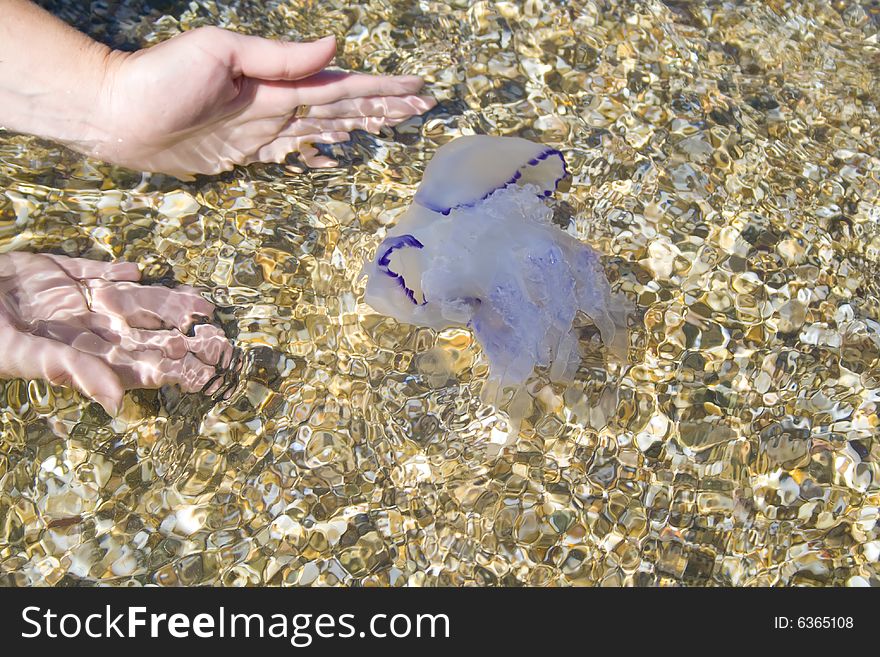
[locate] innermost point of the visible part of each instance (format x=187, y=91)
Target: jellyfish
x=478, y=249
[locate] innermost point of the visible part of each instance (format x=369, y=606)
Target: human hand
x=90, y=325
x=210, y=99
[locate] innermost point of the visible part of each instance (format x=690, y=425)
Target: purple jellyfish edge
x=392, y=245
x=404, y=241
x=535, y=161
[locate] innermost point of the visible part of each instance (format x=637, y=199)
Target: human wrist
x=97, y=132
x=59, y=92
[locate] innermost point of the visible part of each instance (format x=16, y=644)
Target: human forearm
x=52, y=77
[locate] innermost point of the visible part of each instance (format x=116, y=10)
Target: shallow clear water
x=724, y=160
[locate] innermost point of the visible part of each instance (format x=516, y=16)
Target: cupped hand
x=210, y=99
x=90, y=325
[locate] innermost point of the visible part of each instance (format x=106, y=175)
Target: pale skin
x=200, y=103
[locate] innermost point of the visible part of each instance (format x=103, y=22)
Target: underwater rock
x=478, y=248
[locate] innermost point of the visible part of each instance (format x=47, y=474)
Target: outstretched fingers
x=208, y=342
x=151, y=307
x=390, y=107
x=115, y=331
x=82, y=268
x=310, y=155
x=190, y=373
x=278, y=149
x=332, y=86
x=149, y=368
x=306, y=127
x=273, y=97
x=210, y=345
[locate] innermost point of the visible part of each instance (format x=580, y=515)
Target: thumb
x=32, y=357
x=267, y=59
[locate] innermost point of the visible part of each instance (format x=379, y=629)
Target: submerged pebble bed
x=724, y=160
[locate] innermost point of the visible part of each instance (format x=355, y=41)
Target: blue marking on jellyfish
x=535, y=161
x=393, y=244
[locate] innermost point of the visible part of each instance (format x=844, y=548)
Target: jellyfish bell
x=463, y=173
x=468, y=170
x=478, y=249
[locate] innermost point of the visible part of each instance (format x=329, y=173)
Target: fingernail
x=329, y=37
